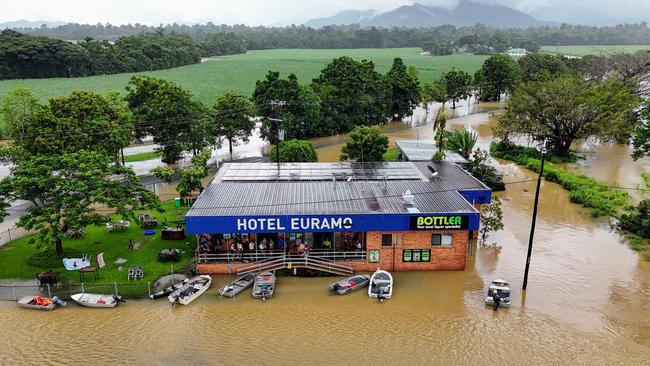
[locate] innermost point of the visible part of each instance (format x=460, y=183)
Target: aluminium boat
x=502, y=289
x=235, y=287
x=264, y=285
x=97, y=300
x=190, y=290
x=347, y=285
x=40, y=303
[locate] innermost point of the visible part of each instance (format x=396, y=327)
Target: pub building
x=336, y=217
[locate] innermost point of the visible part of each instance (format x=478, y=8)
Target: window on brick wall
x=416, y=255
x=386, y=240
x=441, y=240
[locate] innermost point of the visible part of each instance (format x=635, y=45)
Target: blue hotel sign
x=330, y=223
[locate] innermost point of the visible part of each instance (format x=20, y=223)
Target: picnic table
x=122, y=224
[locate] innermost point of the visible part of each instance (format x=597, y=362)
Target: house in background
x=516, y=52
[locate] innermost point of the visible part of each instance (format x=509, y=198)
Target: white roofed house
x=516, y=52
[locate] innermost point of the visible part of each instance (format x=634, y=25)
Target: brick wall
x=390, y=258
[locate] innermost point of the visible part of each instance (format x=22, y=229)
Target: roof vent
x=408, y=200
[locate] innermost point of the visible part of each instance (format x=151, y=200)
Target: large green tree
x=569, y=108
x=352, y=93
x=18, y=110
x=232, y=118
x=66, y=189
x=405, y=90
x=542, y=66
x=642, y=133
x=299, y=151
x=82, y=120
x=365, y=143
x=458, y=85
x=166, y=111
x=498, y=75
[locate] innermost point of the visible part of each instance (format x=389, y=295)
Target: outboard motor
x=118, y=298
x=58, y=301
x=496, y=299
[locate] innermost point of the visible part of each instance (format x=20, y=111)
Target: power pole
x=277, y=104
x=532, y=225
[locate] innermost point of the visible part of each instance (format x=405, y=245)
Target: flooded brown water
x=588, y=302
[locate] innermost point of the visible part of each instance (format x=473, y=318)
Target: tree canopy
x=457, y=85
x=542, y=66
x=498, y=75
x=167, y=112
x=66, y=189
x=405, y=90
x=642, y=134
x=81, y=121
x=569, y=108
x=232, y=118
x=299, y=151
x=365, y=143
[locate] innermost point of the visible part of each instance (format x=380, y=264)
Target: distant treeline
x=29, y=56
x=354, y=36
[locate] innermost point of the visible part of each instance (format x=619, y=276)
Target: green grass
x=594, y=50
x=392, y=154
x=147, y=155
x=239, y=72
x=586, y=191
x=15, y=255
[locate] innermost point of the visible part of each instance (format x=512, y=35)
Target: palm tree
x=462, y=142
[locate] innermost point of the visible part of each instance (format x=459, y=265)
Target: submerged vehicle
x=349, y=284
x=97, y=300
x=40, y=303
x=264, y=285
x=498, y=290
x=190, y=290
x=381, y=285
x=240, y=284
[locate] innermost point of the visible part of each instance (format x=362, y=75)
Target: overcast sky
x=269, y=12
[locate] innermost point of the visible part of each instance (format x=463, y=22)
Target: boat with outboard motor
x=97, y=300
x=40, y=303
x=498, y=294
x=235, y=287
x=190, y=290
x=381, y=285
x=349, y=284
x=264, y=285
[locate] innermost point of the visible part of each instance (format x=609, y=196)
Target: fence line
x=13, y=233
x=134, y=290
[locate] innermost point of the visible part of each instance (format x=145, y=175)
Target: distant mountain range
x=466, y=13
x=30, y=24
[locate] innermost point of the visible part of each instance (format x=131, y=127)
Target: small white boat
x=97, y=300
x=349, y=284
x=381, y=285
x=238, y=285
x=40, y=303
x=501, y=289
x=264, y=285
x=191, y=290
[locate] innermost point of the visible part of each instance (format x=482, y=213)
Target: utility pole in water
x=532, y=225
x=278, y=104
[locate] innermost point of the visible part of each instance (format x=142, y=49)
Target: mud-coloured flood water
x=588, y=303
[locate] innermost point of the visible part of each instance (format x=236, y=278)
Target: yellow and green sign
x=439, y=222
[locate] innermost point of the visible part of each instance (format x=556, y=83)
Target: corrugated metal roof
x=300, y=197
x=423, y=150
